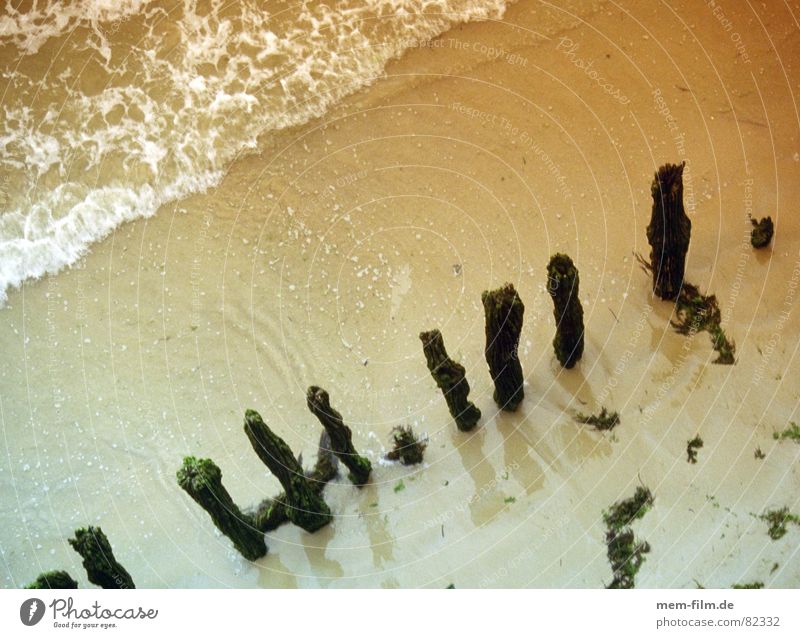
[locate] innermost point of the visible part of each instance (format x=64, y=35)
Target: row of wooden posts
x=302, y=502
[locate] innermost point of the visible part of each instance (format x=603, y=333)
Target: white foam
x=170, y=116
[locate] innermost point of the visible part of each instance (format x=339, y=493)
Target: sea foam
x=145, y=102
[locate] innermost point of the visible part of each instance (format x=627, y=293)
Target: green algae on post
x=408, y=449
x=669, y=231
x=691, y=448
x=271, y=513
x=202, y=480
x=604, y=421
x=341, y=436
x=504, y=312
x=56, y=579
x=756, y=584
x=762, y=232
x=563, y=284
x=303, y=505
x=451, y=378
x=101, y=567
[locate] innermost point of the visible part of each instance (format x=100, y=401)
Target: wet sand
x=320, y=258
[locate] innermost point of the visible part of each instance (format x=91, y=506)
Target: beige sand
x=319, y=260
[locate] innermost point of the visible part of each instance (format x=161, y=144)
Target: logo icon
x=31, y=611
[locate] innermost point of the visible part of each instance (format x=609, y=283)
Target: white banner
x=401, y=613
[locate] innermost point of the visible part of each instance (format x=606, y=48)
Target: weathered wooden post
x=101, y=567
x=668, y=232
x=304, y=506
x=202, y=480
x=504, y=313
x=319, y=403
x=271, y=512
x=57, y=579
x=562, y=284
x=451, y=379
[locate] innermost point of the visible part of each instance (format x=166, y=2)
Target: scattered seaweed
x=604, y=421
x=761, y=235
x=778, y=520
x=792, y=433
x=399, y=486
x=691, y=448
x=626, y=556
x=408, y=449
x=623, y=513
x=756, y=584
x=625, y=553
x=695, y=313
x=758, y=454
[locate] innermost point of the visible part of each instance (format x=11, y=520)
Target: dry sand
x=321, y=257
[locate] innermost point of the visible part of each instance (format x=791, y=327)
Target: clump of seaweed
x=408, y=449
x=778, y=520
x=626, y=556
x=691, y=448
x=604, y=421
x=762, y=232
x=623, y=513
x=792, y=433
x=695, y=313
x=756, y=584
x=625, y=553
x=758, y=454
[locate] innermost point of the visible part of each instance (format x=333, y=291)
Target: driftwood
x=302, y=504
x=101, y=567
x=341, y=437
x=504, y=313
x=562, y=284
x=451, y=379
x=202, y=480
x=668, y=232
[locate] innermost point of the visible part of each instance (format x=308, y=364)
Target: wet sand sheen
x=321, y=258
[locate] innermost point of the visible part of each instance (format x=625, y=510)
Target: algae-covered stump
x=504, y=312
x=562, y=284
x=451, y=379
x=54, y=580
x=304, y=506
x=761, y=235
x=101, y=567
x=202, y=480
x=408, y=449
x=319, y=403
x=668, y=232
x=271, y=513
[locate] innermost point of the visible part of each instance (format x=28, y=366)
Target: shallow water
x=319, y=258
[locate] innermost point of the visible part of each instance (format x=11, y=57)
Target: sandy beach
x=326, y=250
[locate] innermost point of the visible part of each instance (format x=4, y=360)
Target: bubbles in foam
x=146, y=102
